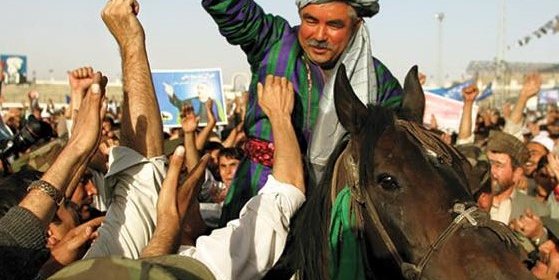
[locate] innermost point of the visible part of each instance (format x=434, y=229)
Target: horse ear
x=413, y=103
x=351, y=112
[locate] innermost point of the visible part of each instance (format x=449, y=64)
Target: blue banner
x=454, y=92
x=488, y=91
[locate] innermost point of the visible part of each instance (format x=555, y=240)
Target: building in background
x=507, y=78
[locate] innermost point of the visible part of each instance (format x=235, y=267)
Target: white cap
x=45, y=114
x=543, y=139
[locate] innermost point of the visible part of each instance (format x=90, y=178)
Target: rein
x=466, y=217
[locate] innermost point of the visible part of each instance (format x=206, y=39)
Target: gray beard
x=497, y=188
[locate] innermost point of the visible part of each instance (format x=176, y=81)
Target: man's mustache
x=319, y=44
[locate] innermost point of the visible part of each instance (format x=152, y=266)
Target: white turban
x=364, y=8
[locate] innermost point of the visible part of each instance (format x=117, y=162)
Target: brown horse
x=411, y=214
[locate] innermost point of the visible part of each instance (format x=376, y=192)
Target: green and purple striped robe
x=272, y=47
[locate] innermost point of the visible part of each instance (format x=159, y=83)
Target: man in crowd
x=23, y=228
x=228, y=161
x=137, y=166
x=331, y=33
x=507, y=155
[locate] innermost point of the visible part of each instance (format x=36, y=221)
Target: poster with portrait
x=14, y=68
x=175, y=88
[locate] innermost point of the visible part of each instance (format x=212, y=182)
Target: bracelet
x=48, y=189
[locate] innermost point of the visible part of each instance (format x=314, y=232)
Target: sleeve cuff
x=294, y=196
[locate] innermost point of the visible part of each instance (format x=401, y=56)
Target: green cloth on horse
x=346, y=258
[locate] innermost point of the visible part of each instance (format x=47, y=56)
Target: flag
x=488, y=91
x=453, y=92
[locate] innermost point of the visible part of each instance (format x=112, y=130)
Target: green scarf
x=345, y=251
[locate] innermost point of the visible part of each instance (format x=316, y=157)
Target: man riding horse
x=332, y=32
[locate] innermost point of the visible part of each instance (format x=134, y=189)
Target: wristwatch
x=48, y=189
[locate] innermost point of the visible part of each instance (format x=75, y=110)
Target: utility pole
x=440, y=17
x=501, y=61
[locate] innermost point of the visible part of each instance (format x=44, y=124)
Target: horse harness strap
x=465, y=217
x=470, y=216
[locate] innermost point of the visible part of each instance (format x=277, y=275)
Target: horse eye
x=387, y=182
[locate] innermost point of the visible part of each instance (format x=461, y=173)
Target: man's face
x=325, y=31
x=537, y=151
x=227, y=168
x=547, y=266
x=62, y=223
x=502, y=175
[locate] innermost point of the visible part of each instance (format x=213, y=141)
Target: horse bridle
x=471, y=216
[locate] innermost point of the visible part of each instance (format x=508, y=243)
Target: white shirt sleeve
x=249, y=246
x=514, y=129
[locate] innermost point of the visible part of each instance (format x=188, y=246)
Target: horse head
x=408, y=190
x=394, y=203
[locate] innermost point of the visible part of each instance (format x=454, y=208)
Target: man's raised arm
x=244, y=23
x=276, y=98
x=142, y=129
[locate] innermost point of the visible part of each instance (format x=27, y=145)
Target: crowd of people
x=103, y=190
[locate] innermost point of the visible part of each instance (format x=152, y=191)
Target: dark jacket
x=22, y=244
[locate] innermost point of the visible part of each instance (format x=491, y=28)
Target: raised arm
x=243, y=22
x=204, y=134
x=73, y=158
x=469, y=95
x=189, y=123
x=531, y=87
x=141, y=128
x=248, y=247
x=276, y=98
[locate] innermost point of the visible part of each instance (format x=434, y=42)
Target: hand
x=532, y=85
x=120, y=17
x=553, y=164
x=80, y=79
x=189, y=120
x=174, y=200
x=422, y=78
x=169, y=90
x=276, y=97
x=73, y=246
x=528, y=225
x=433, y=124
x=522, y=183
x=209, y=109
x=86, y=130
x=470, y=93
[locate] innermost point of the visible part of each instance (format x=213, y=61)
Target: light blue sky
x=64, y=34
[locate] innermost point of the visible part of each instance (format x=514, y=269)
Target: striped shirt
x=272, y=48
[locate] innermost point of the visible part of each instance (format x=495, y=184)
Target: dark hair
x=235, y=153
x=109, y=120
x=212, y=145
